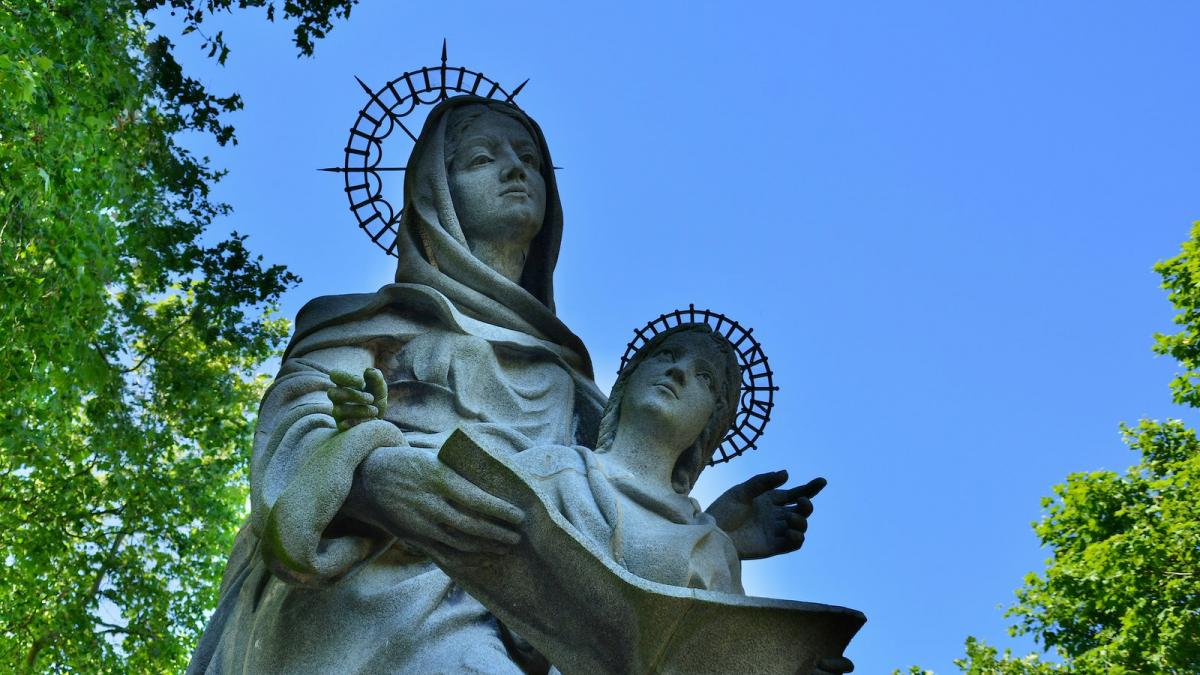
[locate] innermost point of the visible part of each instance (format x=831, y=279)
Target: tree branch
x=36, y=648
x=42, y=642
x=158, y=345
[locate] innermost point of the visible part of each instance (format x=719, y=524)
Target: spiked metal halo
x=758, y=383
x=382, y=115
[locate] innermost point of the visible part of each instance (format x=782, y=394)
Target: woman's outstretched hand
x=357, y=398
x=764, y=521
x=423, y=501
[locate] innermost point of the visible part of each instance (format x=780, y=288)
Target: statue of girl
x=602, y=523
x=668, y=411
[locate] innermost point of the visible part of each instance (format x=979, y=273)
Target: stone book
x=587, y=614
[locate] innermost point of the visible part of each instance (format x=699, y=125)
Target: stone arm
x=763, y=520
x=412, y=496
x=324, y=500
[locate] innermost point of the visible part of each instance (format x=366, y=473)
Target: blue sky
x=940, y=219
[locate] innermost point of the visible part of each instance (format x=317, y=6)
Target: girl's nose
x=677, y=374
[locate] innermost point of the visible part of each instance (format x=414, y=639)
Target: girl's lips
x=668, y=387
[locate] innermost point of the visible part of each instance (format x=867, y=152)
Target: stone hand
x=764, y=521
x=357, y=398
x=423, y=501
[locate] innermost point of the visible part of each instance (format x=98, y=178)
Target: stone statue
x=619, y=570
x=629, y=496
x=333, y=570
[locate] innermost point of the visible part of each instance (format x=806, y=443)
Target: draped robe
x=657, y=534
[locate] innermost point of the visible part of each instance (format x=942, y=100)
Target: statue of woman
x=320, y=579
x=466, y=335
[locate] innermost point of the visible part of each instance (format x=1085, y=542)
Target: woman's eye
x=529, y=159
x=480, y=160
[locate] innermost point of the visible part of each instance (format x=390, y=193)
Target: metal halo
x=758, y=382
x=382, y=115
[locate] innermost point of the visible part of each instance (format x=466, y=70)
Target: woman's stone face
x=496, y=181
x=677, y=384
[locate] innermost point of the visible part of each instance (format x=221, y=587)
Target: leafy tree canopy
x=1121, y=592
x=128, y=346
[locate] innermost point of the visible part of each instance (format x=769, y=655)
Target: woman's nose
x=512, y=168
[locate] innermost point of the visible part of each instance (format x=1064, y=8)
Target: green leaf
x=133, y=342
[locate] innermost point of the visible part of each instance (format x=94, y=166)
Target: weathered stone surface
x=563, y=593
x=333, y=572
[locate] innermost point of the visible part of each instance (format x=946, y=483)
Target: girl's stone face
x=677, y=384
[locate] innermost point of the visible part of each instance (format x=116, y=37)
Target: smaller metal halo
x=758, y=382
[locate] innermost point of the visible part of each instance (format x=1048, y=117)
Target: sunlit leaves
x=1181, y=278
x=1121, y=591
x=983, y=659
x=130, y=350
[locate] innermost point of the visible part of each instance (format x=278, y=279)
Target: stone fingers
x=797, y=523
x=376, y=386
x=467, y=497
x=357, y=411
x=452, y=537
x=357, y=398
x=800, y=492
x=464, y=531
x=790, y=532
x=343, y=378
x=763, y=482
x=347, y=395
x=803, y=507
x=478, y=528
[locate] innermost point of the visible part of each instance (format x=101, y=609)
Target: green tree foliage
x=983, y=659
x=129, y=339
x=1121, y=593
x=1181, y=279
